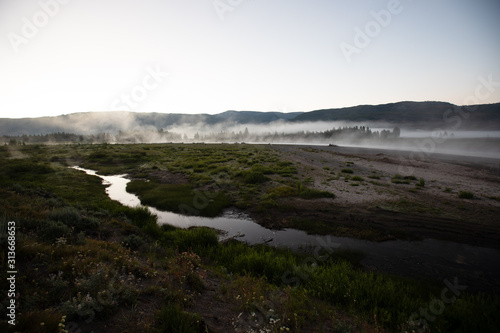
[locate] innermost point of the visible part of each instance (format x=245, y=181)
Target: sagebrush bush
x=66, y=215
x=18, y=188
x=284, y=191
x=254, y=177
x=50, y=231
x=133, y=242
x=28, y=167
x=72, y=218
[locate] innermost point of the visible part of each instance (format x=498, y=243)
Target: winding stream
x=474, y=266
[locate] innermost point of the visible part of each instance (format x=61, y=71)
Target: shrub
x=72, y=218
x=466, y=195
x=283, y=191
x=398, y=179
x=30, y=321
x=286, y=169
x=66, y=215
x=421, y=183
x=142, y=218
x=18, y=188
x=184, y=268
x=133, y=242
x=55, y=202
x=254, y=177
x=357, y=178
x=29, y=167
x=171, y=318
x=98, y=156
x=88, y=223
x=80, y=238
x=284, y=163
x=50, y=231
x=346, y=171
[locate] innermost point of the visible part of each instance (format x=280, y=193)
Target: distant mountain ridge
x=257, y=117
x=415, y=115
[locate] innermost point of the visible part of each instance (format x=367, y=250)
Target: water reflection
x=433, y=258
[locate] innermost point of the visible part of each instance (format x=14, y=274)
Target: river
x=476, y=267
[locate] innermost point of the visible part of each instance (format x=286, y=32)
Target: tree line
x=354, y=133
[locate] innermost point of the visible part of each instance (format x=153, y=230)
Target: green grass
x=391, y=299
x=197, y=239
x=179, y=198
x=349, y=171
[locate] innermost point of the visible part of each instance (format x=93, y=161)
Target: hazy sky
x=205, y=56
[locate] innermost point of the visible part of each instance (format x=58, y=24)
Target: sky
x=208, y=56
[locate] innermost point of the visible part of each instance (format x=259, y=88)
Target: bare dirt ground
x=375, y=207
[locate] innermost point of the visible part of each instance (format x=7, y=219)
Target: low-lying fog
x=349, y=134
x=456, y=142
x=444, y=133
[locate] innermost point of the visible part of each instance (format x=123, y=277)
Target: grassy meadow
x=86, y=262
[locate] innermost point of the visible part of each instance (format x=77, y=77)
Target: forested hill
x=423, y=115
x=416, y=115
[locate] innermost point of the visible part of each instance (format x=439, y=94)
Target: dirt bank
x=382, y=194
